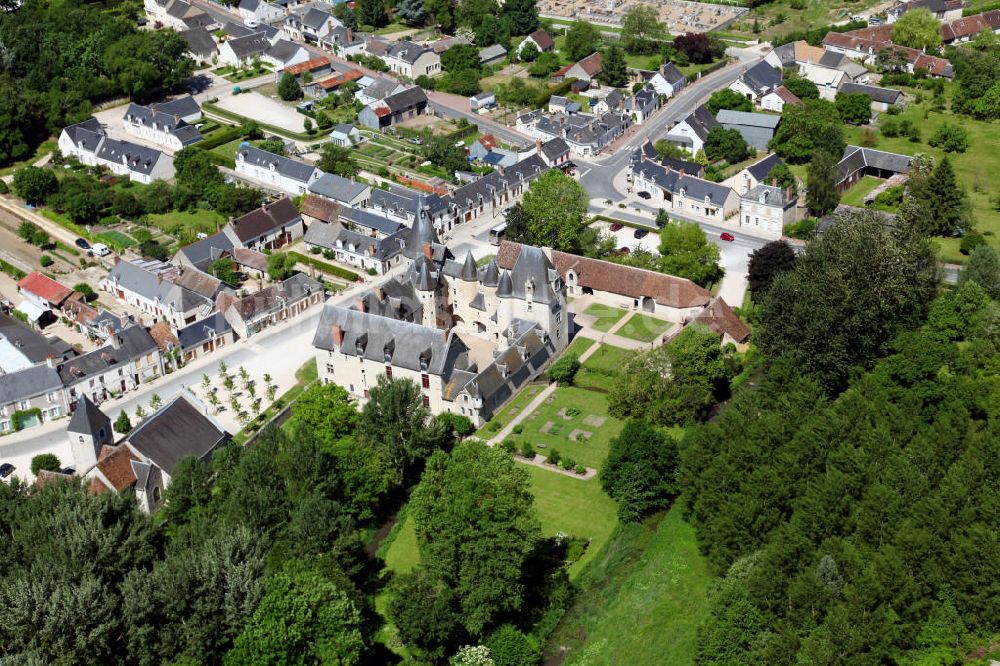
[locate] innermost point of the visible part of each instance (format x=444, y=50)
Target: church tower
x=88, y=431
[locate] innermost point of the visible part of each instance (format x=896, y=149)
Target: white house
x=345, y=135
x=312, y=25
x=690, y=197
x=166, y=124
x=756, y=82
x=259, y=11
x=765, y=210
x=87, y=142
x=667, y=80
x=283, y=54
x=127, y=360
x=777, y=99
x=148, y=287
x=409, y=59
x=242, y=51
x=541, y=39
x=273, y=225
x=275, y=171
x=691, y=132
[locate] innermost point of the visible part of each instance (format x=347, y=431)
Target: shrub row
x=220, y=138
x=325, y=267
x=11, y=270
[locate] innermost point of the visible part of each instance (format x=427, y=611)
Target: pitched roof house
x=278, y=172
x=271, y=226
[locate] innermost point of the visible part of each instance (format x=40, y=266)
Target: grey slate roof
x=177, y=430
x=256, y=43
x=198, y=332
x=856, y=158
x=767, y=194
x=150, y=286
x=138, y=159
x=283, y=50
x=673, y=181
x=492, y=52
x=533, y=269
x=135, y=342
x=877, y=94
x=730, y=117
x=786, y=54
x=671, y=73
x=402, y=201
x=29, y=342
x=264, y=220
x=381, y=88
x=760, y=169
x=235, y=30
x=406, y=51
x=315, y=18
x=406, y=99
x=553, y=148
x=167, y=117
x=203, y=252
x=29, y=383
x=87, y=418
x=408, y=345
x=285, y=166
x=761, y=78
x=338, y=188
x=326, y=235
x=701, y=121
x=199, y=41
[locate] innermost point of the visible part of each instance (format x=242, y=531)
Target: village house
x=259, y=11
x=178, y=14
x=272, y=226
x=88, y=143
x=360, y=250
x=587, y=69
x=400, y=204
x=394, y=109
x=43, y=292
x=345, y=191
x=406, y=58
x=167, y=124
x=202, y=48
x=859, y=162
x=868, y=45
x=343, y=41
x=667, y=80
x=272, y=305
x=492, y=55
x=542, y=40
x=642, y=105
x=205, y=336
x=942, y=10
x=345, y=135
x=585, y=134
x=243, y=51
x=275, y=171
x=322, y=87
x=690, y=197
x=494, y=192
x=692, y=132
x=310, y=26
x=882, y=98
x=483, y=100
x=765, y=210
x=284, y=53
x=126, y=361
x=314, y=67
x=149, y=287
x=964, y=29
x=756, y=82
x=777, y=99
x=31, y=391
x=756, y=174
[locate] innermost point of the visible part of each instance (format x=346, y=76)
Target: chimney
x=380, y=293
x=538, y=146
x=428, y=251
x=338, y=335
x=116, y=341
x=360, y=303
x=50, y=360
x=350, y=35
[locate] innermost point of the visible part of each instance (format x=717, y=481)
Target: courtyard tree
x=476, y=548
x=822, y=195
x=699, y=47
x=582, y=39
x=565, y=368
x=918, y=29
x=808, y=128
x=641, y=29
x=396, y=423
x=727, y=144
x=613, y=68
x=288, y=87
x=640, y=473
x=337, y=159
x=685, y=252
x=34, y=184
x=225, y=270
x=800, y=86
x=123, y=424
x=781, y=176
x=765, y=263
x=556, y=210
x=371, y=13
x=728, y=99
x=280, y=265
x=46, y=461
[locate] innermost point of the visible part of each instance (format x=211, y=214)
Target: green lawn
x=45, y=147
x=641, y=601
x=403, y=554
x=600, y=370
x=205, y=221
x=856, y=195
x=607, y=316
x=643, y=328
x=546, y=429
x=973, y=167
x=512, y=409
x=579, y=345
x=779, y=18
x=576, y=508
x=228, y=150
x=116, y=240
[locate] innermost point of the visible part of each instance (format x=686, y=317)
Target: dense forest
x=59, y=58
x=847, y=493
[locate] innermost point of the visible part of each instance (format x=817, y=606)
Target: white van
x=100, y=250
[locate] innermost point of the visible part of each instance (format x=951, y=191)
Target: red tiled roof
x=45, y=287
x=666, y=290
x=382, y=111
x=79, y=311
x=489, y=141
x=96, y=486
x=47, y=478
x=164, y=337
x=878, y=38
x=969, y=26
x=308, y=65
x=340, y=79
x=787, y=95
x=320, y=208
x=719, y=317
x=562, y=70
x=115, y=463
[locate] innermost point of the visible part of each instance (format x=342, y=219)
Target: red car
x=617, y=226
x=726, y=236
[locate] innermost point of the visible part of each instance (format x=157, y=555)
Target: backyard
x=856, y=195
x=973, y=167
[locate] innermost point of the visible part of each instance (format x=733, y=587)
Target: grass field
x=512, y=409
x=116, y=240
x=600, y=370
x=643, y=328
x=574, y=507
x=44, y=148
x=546, y=429
x=228, y=150
x=607, y=316
x=641, y=600
x=973, y=167
x=856, y=195
x=778, y=18
x=205, y=221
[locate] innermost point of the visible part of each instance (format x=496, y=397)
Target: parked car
x=82, y=244
x=645, y=195
x=101, y=250
x=640, y=233
x=6, y=470
x=726, y=236
x=617, y=226
x=417, y=141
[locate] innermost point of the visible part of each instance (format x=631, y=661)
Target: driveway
x=264, y=110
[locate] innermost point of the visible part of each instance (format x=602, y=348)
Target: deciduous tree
x=641, y=469
x=822, y=195
x=767, y=262
x=613, y=69
x=582, y=39
x=685, y=252
x=917, y=29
